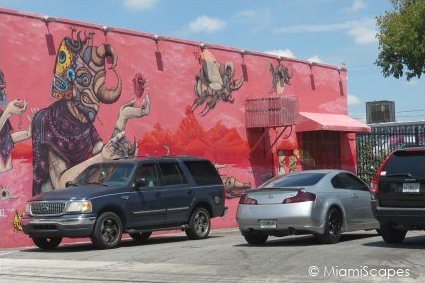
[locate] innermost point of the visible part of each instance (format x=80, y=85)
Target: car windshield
x=295, y=180
x=108, y=174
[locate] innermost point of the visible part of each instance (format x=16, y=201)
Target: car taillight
x=301, y=196
x=374, y=185
x=246, y=200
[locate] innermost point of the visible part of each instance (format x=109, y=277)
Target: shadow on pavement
x=128, y=242
x=307, y=240
x=413, y=242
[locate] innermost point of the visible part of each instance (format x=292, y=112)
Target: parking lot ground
x=224, y=257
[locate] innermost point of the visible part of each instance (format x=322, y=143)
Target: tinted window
x=203, y=172
x=406, y=162
x=296, y=180
x=148, y=172
x=337, y=182
x=349, y=182
x=171, y=174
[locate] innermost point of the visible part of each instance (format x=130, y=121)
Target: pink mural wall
x=159, y=95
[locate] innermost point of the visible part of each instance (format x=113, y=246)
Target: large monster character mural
x=65, y=140
x=8, y=138
x=215, y=82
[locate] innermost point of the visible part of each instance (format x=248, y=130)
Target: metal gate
x=372, y=148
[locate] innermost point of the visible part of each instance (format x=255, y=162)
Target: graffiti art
x=5, y=194
x=215, y=82
x=64, y=138
x=281, y=76
x=8, y=138
x=16, y=223
x=139, y=86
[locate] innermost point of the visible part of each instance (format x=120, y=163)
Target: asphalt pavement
x=224, y=257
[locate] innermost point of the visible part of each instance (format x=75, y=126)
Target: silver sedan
x=324, y=203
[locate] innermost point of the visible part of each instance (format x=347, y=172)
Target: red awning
x=309, y=121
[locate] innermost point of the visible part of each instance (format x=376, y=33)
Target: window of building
x=321, y=150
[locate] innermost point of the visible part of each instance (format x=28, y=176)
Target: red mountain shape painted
x=219, y=144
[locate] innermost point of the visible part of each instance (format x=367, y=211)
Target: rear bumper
x=290, y=218
x=73, y=226
x=408, y=218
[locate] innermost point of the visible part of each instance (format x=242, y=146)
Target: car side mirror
x=69, y=184
x=141, y=182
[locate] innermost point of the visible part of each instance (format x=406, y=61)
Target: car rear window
x=406, y=162
x=203, y=172
x=296, y=180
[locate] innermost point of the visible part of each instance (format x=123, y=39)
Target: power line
x=403, y=116
x=407, y=111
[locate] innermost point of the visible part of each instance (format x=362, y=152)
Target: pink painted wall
x=220, y=135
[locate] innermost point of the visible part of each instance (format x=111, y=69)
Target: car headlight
x=84, y=206
x=28, y=209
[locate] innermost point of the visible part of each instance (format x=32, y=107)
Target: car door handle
x=189, y=192
x=125, y=197
x=157, y=194
x=355, y=196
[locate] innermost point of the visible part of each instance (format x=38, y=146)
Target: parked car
x=399, y=193
x=324, y=203
x=137, y=196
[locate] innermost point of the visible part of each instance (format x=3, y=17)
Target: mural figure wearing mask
x=65, y=141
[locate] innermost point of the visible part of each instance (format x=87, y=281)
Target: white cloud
x=353, y=100
x=358, y=5
x=256, y=19
x=314, y=28
x=139, y=4
x=281, y=52
x=412, y=82
x=362, y=31
x=247, y=13
x=315, y=59
x=206, y=24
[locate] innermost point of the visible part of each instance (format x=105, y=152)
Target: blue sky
x=331, y=31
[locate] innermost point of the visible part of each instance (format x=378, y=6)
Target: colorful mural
x=65, y=141
x=8, y=138
x=54, y=125
x=215, y=82
x=281, y=76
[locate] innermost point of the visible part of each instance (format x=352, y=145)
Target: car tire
x=392, y=235
x=199, y=224
x=333, y=227
x=107, y=231
x=256, y=239
x=140, y=237
x=47, y=243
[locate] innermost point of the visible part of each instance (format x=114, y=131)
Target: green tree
x=402, y=39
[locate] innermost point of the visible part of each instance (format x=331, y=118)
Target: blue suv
x=136, y=196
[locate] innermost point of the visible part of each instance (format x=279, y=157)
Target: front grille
x=48, y=208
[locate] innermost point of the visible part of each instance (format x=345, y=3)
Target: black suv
x=398, y=189
x=137, y=196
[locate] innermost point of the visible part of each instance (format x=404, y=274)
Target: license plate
x=411, y=187
x=268, y=223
